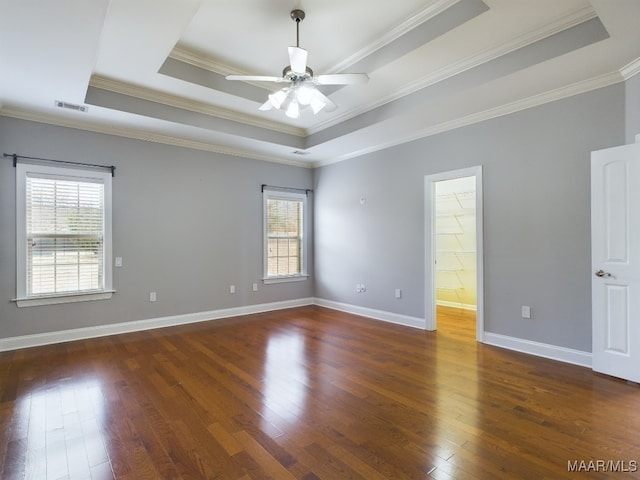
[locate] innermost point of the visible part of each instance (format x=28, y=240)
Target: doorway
x=453, y=240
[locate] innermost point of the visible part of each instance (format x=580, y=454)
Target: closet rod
x=65, y=162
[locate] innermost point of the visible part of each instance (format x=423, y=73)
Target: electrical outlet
x=526, y=311
x=358, y=288
x=255, y=287
x=398, y=293
x=232, y=289
x=363, y=288
x=152, y=296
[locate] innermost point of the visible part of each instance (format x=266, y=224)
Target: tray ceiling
x=155, y=69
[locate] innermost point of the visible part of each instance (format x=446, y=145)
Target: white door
x=615, y=260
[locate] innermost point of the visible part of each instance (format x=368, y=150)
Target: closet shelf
x=456, y=252
x=455, y=239
x=463, y=212
x=457, y=196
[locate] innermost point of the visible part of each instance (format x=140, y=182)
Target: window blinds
x=65, y=235
x=284, y=236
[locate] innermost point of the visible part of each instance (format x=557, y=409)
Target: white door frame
x=429, y=240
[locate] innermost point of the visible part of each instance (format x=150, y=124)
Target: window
x=284, y=236
x=63, y=235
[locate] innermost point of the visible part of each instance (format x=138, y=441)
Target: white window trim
x=284, y=195
x=75, y=174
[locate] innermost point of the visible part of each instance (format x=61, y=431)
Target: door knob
x=602, y=273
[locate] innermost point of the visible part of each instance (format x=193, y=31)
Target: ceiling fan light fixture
x=293, y=110
x=278, y=98
x=304, y=94
x=301, y=92
x=266, y=106
x=317, y=104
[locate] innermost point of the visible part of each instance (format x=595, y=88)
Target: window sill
x=70, y=298
x=283, y=279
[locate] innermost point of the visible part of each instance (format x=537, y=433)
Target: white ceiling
x=154, y=69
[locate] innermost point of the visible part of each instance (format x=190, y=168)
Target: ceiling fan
x=301, y=91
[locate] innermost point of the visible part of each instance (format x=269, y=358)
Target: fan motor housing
x=288, y=73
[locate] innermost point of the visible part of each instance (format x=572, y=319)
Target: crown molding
x=403, y=28
x=156, y=96
x=191, y=57
x=513, y=107
x=594, y=83
x=200, y=60
x=631, y=69
x=137, y=134
x=571, y=19
x=205, y=62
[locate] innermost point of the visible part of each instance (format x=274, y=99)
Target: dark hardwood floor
x=309, y=393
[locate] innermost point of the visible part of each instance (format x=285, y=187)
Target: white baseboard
x=36, y=340
x=463, y=306
x=553, y=352
x=562, y=354
x=390, y=317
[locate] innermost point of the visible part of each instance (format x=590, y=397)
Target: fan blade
x=256, y=78
x=298, y=59
x=342, y=79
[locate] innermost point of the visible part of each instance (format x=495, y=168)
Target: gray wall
x=187, y=223
x=536, y=170
x=632, y=110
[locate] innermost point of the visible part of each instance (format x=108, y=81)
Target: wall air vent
x=71, y=106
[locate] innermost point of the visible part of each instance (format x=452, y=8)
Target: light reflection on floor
x=60, y=430
x=285, y=378
x=455, y=333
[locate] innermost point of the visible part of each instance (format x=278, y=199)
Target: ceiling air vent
x=300, y=152
x=72, y=106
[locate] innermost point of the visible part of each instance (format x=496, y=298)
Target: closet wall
x=456, y=243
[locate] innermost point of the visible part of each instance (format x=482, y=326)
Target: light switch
x=118, y=261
